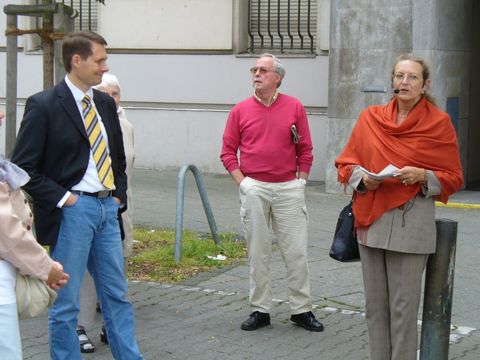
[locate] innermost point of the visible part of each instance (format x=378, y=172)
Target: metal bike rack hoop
x=180, y=205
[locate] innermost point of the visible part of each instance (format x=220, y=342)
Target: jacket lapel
x=70, y=106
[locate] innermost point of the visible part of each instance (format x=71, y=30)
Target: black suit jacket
x=53, y=148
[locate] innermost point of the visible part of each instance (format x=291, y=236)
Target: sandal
x=103, y=335
x=86, y=345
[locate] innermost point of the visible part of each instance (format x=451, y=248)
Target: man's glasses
x=262, y=70
x=411, y=78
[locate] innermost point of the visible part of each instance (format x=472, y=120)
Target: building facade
x=184, y=64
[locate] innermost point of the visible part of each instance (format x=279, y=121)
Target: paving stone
x=201, y=318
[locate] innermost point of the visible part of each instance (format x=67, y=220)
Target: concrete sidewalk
x=200, y=319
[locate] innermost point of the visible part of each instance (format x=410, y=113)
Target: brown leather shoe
x=256, y=320
x=307, y=321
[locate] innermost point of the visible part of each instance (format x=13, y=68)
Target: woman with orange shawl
x=395, y=217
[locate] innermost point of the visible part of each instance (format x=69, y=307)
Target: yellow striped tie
x=97, y=144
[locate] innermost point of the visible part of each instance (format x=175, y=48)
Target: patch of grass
x=153, y=254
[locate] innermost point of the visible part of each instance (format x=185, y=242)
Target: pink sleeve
x=231, y=142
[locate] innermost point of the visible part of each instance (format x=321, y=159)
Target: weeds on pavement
x=153, y=254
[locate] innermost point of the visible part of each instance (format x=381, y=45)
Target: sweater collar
x=274, y=98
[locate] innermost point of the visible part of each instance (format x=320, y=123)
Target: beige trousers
x=281, y=206
x=392, y=282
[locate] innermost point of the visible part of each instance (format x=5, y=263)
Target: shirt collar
x=274, y=98
x=78, y=94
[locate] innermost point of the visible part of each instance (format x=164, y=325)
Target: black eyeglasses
x=260, y=69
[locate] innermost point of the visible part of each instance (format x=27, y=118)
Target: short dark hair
x=79, y=43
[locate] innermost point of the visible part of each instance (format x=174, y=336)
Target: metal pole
x=179, y=221
x=206, y=204
x=12, y=32
x=438, y=295
x=180, y=200
x=11, y=91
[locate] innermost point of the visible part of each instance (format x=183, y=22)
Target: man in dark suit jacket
x=73, y=151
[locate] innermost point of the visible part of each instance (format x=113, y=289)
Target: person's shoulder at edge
x=283, y=97
x=245, y=102
x=244, y=105
x=377, y=107
x=439, y=113
x=373, y=109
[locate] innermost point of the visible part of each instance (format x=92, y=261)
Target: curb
x=458, y=205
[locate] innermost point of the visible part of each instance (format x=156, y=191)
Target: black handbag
x=345, y=246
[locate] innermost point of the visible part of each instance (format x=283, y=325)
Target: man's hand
x=72, y=199
x=237, y=176
x=57, y=278
x=303, y=175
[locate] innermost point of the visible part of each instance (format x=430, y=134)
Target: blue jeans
x=90, y=237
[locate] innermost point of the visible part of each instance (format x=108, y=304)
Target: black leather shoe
x=103, y=335
x=86, y=345
x=307, y=320
x=256, y=320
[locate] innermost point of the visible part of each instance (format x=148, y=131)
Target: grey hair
x=277, y=66
x=109, y=80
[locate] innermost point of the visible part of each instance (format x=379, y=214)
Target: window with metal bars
x=86, y=19
x=282, y=26
x=87, y=13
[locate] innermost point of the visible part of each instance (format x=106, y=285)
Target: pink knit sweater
x=263, y=136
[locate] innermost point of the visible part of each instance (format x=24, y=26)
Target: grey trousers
x=392, y=282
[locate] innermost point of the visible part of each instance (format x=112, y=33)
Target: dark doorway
x=473, y=154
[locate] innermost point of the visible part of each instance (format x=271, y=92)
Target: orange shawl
x=426, y=139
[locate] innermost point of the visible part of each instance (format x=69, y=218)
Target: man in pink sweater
x=271, y=131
